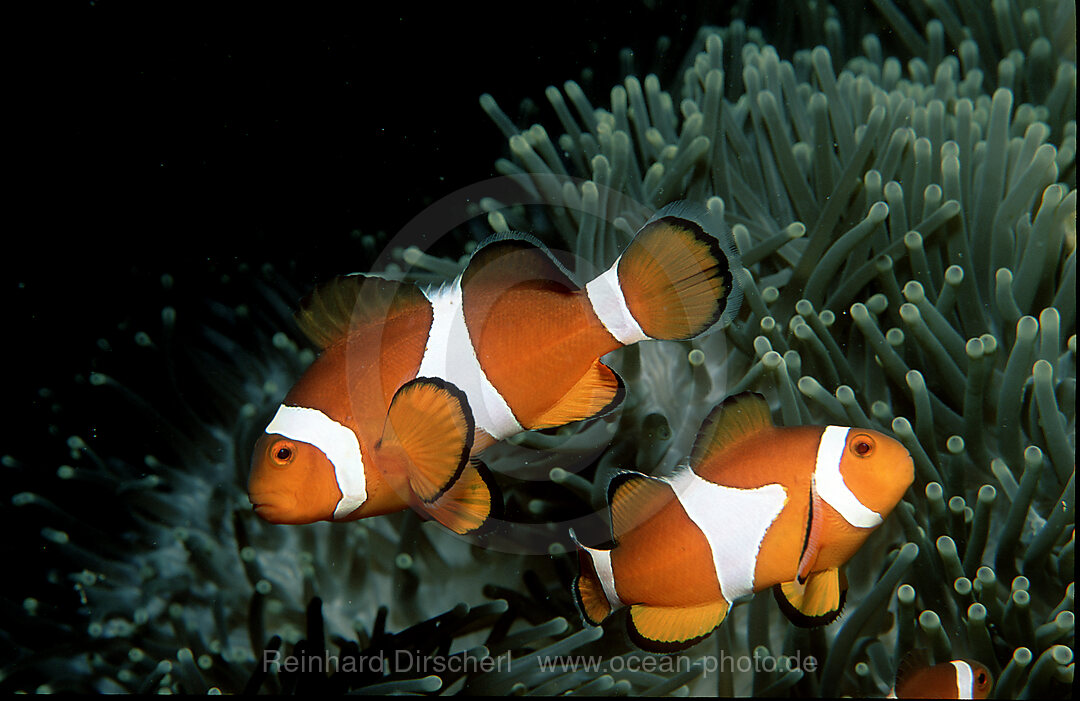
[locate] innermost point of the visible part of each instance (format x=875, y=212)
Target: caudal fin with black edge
x=676, y=280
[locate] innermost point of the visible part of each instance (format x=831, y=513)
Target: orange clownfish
x=412, y=383
x=758, y=506
x=958, y=679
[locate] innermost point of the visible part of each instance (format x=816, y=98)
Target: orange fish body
x=411, y=384
x=758, y=507
x=352, y=386
x=957, y=679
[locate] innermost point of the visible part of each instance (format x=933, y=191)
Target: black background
x=150, y=138
x=154, y=138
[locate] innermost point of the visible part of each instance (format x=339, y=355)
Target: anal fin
x=598, y=391
x=816, y=602
x=670, y=629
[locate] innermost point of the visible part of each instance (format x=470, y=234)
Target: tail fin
x=674, y=281
x=595, y=598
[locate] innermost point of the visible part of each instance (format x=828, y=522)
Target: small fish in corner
x=757, y=507
x=957, y=679
x=411, y=384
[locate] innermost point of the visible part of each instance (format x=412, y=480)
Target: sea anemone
x=909, y=243
x=904, y=202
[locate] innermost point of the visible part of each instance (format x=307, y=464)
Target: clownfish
x=958, y=679
x=412, y=383
x=757, y=506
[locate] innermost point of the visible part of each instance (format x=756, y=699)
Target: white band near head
x=451, y=356
x=830, y=483
x=337, y=442
x=965, y=680
x=609, y=304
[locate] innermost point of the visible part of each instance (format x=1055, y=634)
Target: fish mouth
x=271, y=513
x=265, y=505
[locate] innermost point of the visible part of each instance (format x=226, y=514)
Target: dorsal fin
x=913, y=661
x=349, y=301
x=635, y=498
x=734, y=420
x=598, y=391
x=506, y=259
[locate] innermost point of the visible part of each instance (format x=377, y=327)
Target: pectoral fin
x=812, y=543
x=430, y=422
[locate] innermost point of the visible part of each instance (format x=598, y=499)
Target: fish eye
x=282, y=453
x=862, y=445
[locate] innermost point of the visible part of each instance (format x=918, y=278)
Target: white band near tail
x=830, y=483
x=601, y=560
x=338, y=443
x=451, y=356
x=734, y=522
x=609, y=304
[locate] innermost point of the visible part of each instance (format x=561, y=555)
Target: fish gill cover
x=901, y=184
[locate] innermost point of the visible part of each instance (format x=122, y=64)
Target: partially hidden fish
x=757, y=507
x=956, y=679
x=412, y=383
